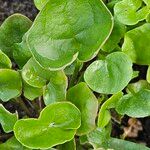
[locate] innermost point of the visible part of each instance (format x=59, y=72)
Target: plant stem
x=75, y=74
x=23, y=106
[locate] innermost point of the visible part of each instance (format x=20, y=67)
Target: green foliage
x=12, y=31
x=138, y=51
x=87, y=104
x=70, y=72
x=10, y=84
x=68, y=34
x=110, y=75
x=57, y=124
x=7, y=119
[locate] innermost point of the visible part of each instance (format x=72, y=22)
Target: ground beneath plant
x=136, y=130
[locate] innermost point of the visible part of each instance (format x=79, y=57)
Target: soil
x=26, y=7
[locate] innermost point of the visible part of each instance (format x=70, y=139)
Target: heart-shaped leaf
x=70, y=28
x=5, y=62
x=148, y=75
x=7, y=119
x=139, y=51
x=31, y=92
x=111, y=75
x=55, y=91
x=12, y=144
x=135, y=104
x=10, y=84
x=130, y=12
x=57, y=124
x=85, y=100
x=40, y=3
x=115, y=37
x=12, y=31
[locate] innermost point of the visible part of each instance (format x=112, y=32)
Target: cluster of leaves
x=48, y=61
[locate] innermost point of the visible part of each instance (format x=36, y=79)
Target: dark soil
x=26, y=7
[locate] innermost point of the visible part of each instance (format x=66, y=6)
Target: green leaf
x=66, y=29
x=12, y=144
x=71, y=145
x=136, y=44
x=34, y=74
x=104, y=114
x=5, y=62
x=137, y=86
x=115, y=37
x=135, y=105
x=130, y=12
x=85, y=100
x=21, y=53
x=55, y=91
x=148, y=75
x=57, y=124
x=31, y=92
x=111, y=75
x=40, y=3
x=10, y=84
x=12, y=31
x=99, y=137
x=118, y=144
x=7, y=119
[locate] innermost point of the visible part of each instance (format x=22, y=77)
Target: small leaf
x=111, y=75
x=135, y=105
x=40, y=3
x=12, y=144
x=148, y=75
x=34, y=74
x=7, y=119
x=139, y=53
x=31, y=92
x=130, y=12
x=56, y=125
x=55, y=91
x=5, y=62
x=85, y=100
x=104, y=114
x=137, y=86
x=12, y=31
x=115, y=37
x=70, y=29
x=10, y=84
x=118, y=144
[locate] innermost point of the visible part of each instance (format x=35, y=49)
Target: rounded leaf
x=111, y=75
x=65, y=29
x=40, y=3
x=57, y=124
x=148, y=75
x=12, y=31
x=10, y=84
x=136, y=44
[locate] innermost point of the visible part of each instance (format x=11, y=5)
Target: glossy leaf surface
x=7, y=119
x=111, y=75
x=70, y=28
x=57, y=124
x=10, y=84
